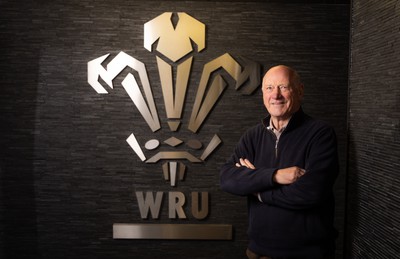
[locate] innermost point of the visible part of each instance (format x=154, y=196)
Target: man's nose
x=278, y=89
x=276, y=93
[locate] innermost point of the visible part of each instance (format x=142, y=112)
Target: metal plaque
x=172, y=231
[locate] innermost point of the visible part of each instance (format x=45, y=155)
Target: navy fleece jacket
x=296, y=219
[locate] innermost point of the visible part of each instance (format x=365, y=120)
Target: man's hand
x=288, y=175
x=245, y=162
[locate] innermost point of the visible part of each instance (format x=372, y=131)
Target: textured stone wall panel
x=374, y=146
x=67, y=171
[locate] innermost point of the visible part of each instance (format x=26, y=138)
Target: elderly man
x=287, y=166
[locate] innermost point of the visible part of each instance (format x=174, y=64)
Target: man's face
x=281, y=94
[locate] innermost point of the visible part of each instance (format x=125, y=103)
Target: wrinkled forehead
x=277, y=76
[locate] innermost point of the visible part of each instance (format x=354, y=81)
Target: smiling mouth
x=278, y=103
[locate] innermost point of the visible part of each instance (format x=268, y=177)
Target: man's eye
x=284, y=88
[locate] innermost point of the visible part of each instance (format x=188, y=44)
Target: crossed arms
x=290, y=187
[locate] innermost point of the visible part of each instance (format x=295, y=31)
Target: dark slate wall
x=374, y=145
x=67, y=173
x=19, y=84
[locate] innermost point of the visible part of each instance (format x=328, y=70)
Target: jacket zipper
x=276, y=138
x=276, y=141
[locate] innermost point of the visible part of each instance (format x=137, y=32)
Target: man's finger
x=242, y=162
x=249, y=164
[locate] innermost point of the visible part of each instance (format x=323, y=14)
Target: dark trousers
x=251, y=255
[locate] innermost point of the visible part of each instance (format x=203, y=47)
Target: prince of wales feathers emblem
x=174, y=43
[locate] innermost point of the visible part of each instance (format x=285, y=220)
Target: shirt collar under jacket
x=276, y=131
x=269, y=126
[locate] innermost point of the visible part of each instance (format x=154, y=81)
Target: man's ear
x=300, y=90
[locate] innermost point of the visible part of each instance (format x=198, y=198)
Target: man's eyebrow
x=277, y=85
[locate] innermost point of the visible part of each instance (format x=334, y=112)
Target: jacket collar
x=296, y=119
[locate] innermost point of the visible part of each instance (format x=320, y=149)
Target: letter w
x=149, y=203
